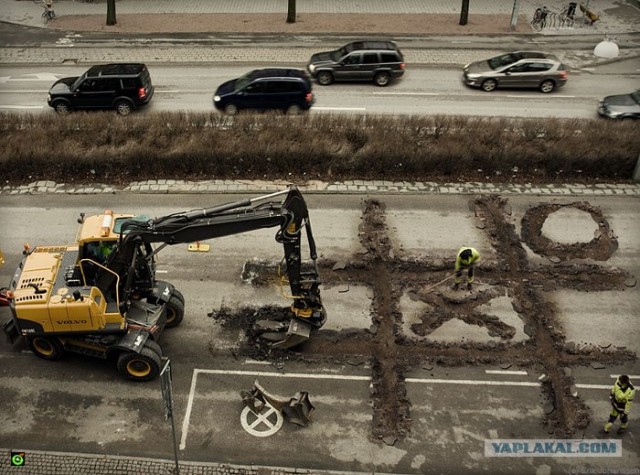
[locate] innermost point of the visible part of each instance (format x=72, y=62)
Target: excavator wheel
x=143, y=366
x=178, y=295
x=152, y=345
x=45, y=348
x=175, y=310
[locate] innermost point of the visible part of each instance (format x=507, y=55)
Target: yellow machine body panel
x=99, y=227
x=43, y=297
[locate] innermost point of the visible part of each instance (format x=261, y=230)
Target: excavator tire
x=178, y=295
x=140, y=367
x=175, y=311
x=154, y=346
x=46, y=348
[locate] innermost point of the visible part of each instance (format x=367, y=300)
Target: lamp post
x=514, y=15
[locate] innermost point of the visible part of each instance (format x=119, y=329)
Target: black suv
x=122, y=87
x=377, y=61
x=263, y=89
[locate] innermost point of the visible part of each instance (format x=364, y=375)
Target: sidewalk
x=616, y=16
x=38, y=462
x=231, y=28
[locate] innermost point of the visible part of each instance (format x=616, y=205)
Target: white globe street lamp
x=606, y=49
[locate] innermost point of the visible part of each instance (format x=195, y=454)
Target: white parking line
x=284, y=375
x=470, y=382
x=187, y=417
x=499, y=371
x=406, y=94
x=328, y=108
x=555, y=96
x=20, y=107
x=263, y=363
x=593, y=386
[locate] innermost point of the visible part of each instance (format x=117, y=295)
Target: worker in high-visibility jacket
x=621, y=397
x=466, y=259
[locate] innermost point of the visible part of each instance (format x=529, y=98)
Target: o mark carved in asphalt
x=265, y=424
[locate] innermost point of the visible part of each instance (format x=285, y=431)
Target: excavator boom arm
x=286, y=210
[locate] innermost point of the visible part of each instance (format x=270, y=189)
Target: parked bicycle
x=48, y=14
x=540, y=18
x=568, y=15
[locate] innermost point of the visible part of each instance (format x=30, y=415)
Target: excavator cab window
x=98, y=251
x=117, y=225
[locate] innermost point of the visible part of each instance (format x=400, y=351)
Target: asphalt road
x=81, y=405
x=423, y=90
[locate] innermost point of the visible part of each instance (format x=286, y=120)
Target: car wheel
x=382, y=79
x=325, y=78
x=62, y=107
x=294, y=109
x=489, y=85
x=123, y=107
x=547, y=86
x=231, y=109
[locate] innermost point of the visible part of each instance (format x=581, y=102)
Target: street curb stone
x=348, y=186
x=39, y=462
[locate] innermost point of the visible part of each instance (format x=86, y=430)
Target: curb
x=39, y=462
x=342, y=187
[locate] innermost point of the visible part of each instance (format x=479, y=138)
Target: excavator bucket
x=297, y=333
x=257, y=398
x=297, y=409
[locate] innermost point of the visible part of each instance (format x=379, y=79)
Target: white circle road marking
x=263, y=419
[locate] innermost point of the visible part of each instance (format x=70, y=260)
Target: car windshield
x=502, y=60
x=339, y=53
x=243, y=81
x=636, y=96
x=77, y=82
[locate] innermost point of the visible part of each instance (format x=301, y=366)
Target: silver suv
x=377, y=61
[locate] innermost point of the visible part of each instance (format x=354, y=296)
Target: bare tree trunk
x=291, y=11
x=464, y=13
x=111, y=12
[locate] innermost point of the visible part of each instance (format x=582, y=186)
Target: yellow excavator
x=100, y=296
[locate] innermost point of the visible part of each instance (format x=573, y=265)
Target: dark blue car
x=288, y=90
